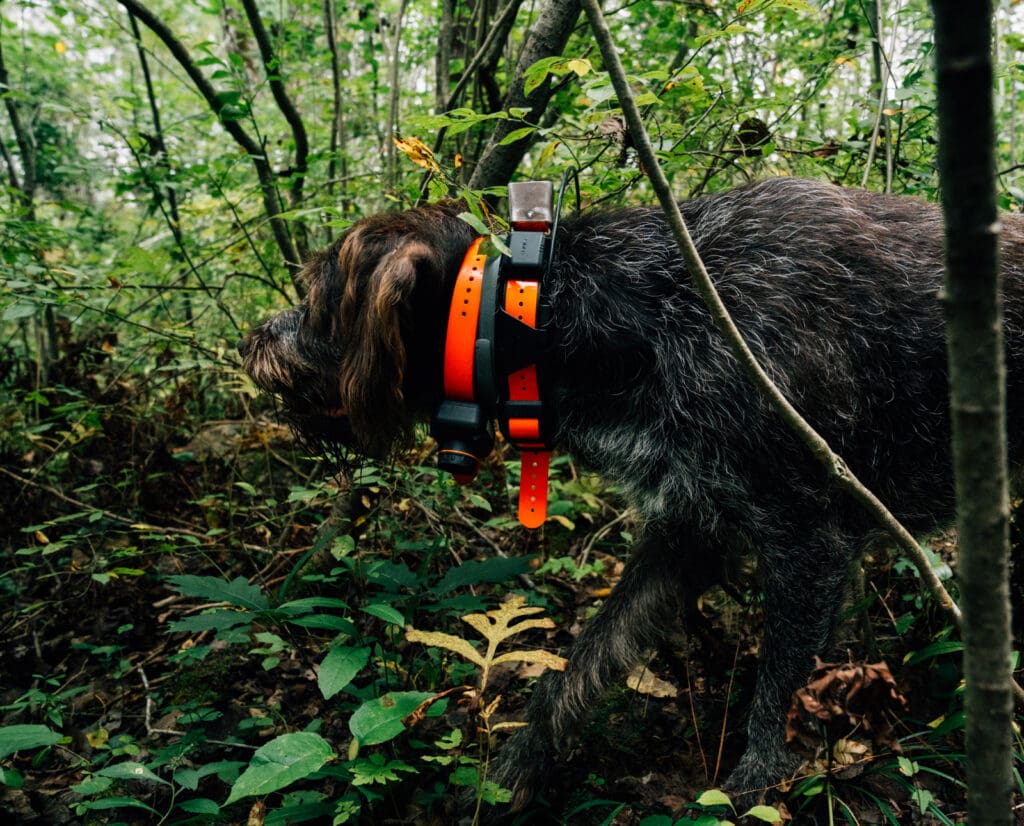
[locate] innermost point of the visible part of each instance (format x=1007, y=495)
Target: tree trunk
x=963, y=36
x=547, y=38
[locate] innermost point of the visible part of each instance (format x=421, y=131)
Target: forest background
x=188, y=632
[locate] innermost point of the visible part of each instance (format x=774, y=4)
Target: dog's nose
x=244, y=346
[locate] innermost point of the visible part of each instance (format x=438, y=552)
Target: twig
x=107, y=514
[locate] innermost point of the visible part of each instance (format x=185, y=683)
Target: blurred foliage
x=196, y=614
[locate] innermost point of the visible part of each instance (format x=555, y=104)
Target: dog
x=836, y=291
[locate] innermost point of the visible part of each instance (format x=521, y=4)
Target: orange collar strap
x=492, y=353
x=525, y=429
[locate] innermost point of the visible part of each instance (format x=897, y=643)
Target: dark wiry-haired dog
x=836, y=292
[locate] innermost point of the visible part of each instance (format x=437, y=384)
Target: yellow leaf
x=537, y=656
x=439, y=639
x=97, y=738
x=580, y=65
x=505, y=725
x=417, y=152
x=563, y=521
x=42, y=538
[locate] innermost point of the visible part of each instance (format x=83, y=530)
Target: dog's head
x=358, y=362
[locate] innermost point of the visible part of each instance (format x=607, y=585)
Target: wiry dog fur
x=836, y=291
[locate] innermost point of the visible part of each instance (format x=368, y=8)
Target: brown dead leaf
x=840, y=699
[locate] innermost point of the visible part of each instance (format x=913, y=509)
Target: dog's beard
x=322, y=435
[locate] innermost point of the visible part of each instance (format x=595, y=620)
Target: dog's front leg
x=633, y=620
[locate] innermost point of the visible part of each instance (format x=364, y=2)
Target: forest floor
x=101, y=641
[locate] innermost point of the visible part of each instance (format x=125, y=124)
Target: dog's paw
x=756, y=778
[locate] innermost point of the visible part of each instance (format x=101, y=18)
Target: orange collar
x=491, y=366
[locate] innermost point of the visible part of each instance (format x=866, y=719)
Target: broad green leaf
x=237, y=592
x=498, y=569
x=339, y=667
x=24, y=737
x=379, y=720
x=281, y=762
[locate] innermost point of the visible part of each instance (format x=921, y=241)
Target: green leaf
x=282, y=761
x=474, y=222
x=307, y=604
x=534, y=76
x=339, y=667
x=934, y=650
x=11, y=778
x=473, y=572
x=907, y=767
x=377, y=721
x=517, y=134
x=769, y=814
x=131, y=771
x=237, y=592
x=714, y=797
x=117, y=803
x=329, y=622
x=795, y=5
x=374, y=769
x=24, y=737
x=386, y=613
x=923, y=798
x=217, y=620
x=20, y=309
x=199, y=806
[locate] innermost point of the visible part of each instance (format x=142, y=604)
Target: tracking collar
x=494, y=351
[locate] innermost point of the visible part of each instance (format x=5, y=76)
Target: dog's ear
x=375, y=317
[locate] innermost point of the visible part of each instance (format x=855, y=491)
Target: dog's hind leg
x=803, y=590
x=634, y=619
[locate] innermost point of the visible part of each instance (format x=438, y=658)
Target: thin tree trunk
x=338, y=137
x=256, y=153
x=272, y=67
x=442, y=69
x=963, y=36
x=394, y=98
x=164, y=163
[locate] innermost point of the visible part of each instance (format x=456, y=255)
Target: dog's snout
x=244, y=346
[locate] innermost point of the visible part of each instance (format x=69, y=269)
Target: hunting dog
x=836, y=291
